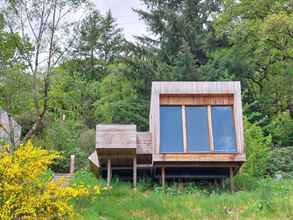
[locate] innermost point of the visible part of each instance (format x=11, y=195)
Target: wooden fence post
x=72, y=164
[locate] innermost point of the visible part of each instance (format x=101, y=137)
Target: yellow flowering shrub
x=26, y=192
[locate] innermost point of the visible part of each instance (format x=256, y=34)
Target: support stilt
x=163, y=176
x=223, y=183
x=232, y=187
x=109, y=172
x=134, y=172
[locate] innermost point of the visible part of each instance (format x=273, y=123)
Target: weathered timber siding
x=115, y=136
x=196, y=93
x=144, y=143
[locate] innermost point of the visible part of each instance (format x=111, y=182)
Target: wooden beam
x=178, y=164
x=134, y=172
x=211, y=138
x=163, y=176
x=193, y=176
x=232, y=187
x=199, y=157
x=184, y=129
x=109, y=172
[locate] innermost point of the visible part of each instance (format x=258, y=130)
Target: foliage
x=72, y=97
x=257, y=146
x=119, y=101
x=246, y=182
x=87, y=140
x=26, y=191
x=256, y=48
x=100, y=43
x=188, y=202
x=281, y=162
x=64, y=136
x=90, y=73
x=281, y=129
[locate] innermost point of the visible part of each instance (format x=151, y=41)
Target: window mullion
x=211, y=140
x=184, y=129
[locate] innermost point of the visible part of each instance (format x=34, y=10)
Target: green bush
x=64, y=136
x=257, y=150
x=281, y=162
x=87, y=140
x=281, y=129
x=246, y=182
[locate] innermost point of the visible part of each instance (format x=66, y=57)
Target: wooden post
x=232, y=187
x=109, y=172
x=184, y=129
x=71, y=164
x=211, y=139
x=134, y=172
x=223, y=183
x=163, y=176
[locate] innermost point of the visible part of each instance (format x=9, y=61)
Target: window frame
x=183, y=135
x=210, y=130
x=187, y=132
x=234, y=127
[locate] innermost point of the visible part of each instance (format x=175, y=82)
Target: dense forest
x=61, y=74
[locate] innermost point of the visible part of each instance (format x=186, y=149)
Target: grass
x=262, y=199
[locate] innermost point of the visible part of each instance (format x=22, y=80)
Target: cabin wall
x=196, y=93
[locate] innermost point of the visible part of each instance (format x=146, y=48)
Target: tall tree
x=258, y=51
x=15, y=84
x=100, y=43
x=119, y=102
x=182, y=29
x=40, y=23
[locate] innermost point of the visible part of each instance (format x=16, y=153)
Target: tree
x=15, y=85
x=257, y=49
x=100, y=43
x=182, y=29
x=40, y=23
x=118, y=102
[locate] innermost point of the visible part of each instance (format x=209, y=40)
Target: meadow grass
x=267, y=199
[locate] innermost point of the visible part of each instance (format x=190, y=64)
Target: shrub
x=27, y=190
x=63, y=136
x=257, y=150
x=87, y=140
x=246, y=182
x=281, y=129
x=281, y=162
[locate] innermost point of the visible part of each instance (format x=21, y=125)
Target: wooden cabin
x=195, y=131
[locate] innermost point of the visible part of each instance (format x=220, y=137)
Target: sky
x=125, y=17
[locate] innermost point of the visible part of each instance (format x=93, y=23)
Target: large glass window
x=171, y=132
x=195, y=132
x=197, y=128
x=223, y=129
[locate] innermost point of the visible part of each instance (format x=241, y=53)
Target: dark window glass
x=197, y=128
x=171, y=137
x=223, y=129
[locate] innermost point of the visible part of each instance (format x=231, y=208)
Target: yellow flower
x=25, y=194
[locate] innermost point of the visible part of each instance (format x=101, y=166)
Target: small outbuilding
x=195, y=131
